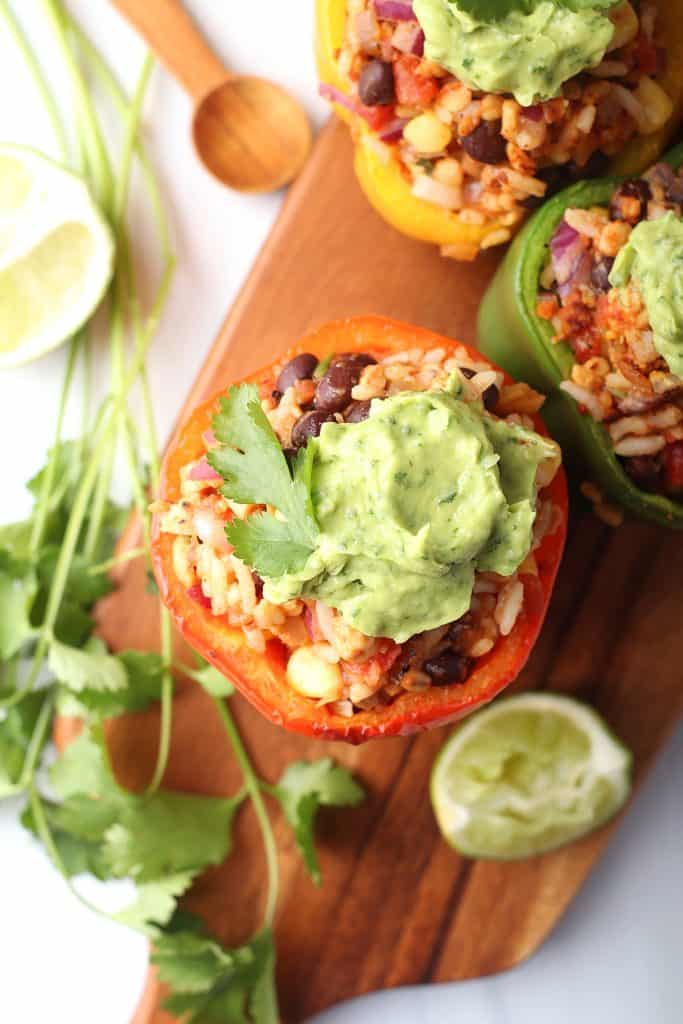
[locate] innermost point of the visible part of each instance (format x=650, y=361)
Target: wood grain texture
x=397, y=906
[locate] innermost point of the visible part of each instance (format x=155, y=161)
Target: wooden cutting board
x=397, y=906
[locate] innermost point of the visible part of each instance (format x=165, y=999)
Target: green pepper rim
x=529, y=353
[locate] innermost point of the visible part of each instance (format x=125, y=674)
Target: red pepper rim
x=260, y=677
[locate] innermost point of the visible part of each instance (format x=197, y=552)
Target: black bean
x=276, y=395
x=258, y=585
x=635, y=189
x=600, y=273
x=490, y=397
x=595, y=167
x=447, y=668
x=555, y=178
x=645, y=471
x=357, y=412
x=376, y=87
x=486, y=143
x=342, y=375
x=309, y=425
x=299, y=368
x=467, y=373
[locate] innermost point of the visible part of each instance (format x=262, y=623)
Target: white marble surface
x=616, y=957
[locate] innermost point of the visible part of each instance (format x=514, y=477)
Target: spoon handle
x=176, y=40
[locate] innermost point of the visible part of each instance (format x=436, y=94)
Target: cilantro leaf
x=87, y=668
x=16, y=730
x=168, y=833
x=211, y=680
x=267, y=544
x=303, y=788
x=145, y=673
x=214, y=985
x=155, y=903
x=16, y=599
x=255, y=471
x=78, y=854
x=83, y=587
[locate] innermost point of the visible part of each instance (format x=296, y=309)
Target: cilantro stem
x=43, y=503
x=116, y=560
x=94, y=146
x=252, y=784
x=39, y=80
x=43, y=723
x=45, y=834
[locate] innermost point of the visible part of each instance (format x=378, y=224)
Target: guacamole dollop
x=528, y=52
x=653, y=258
x=409, y=504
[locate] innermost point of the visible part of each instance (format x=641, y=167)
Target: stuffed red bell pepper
x=588, y=306
x=364, y=537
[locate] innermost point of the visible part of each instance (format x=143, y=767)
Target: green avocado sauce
x=529, y=52
x=653, y=258
x=410, y=503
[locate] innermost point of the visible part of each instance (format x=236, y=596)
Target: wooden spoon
x=248, y=132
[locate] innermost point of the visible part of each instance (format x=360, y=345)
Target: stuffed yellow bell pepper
x=467, y=114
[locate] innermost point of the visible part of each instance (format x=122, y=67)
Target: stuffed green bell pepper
x=588, y=307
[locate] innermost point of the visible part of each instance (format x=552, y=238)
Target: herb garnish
x=254, y=468
x=54, y=566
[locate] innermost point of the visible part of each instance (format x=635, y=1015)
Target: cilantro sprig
x=54, y=567
x=255, y=472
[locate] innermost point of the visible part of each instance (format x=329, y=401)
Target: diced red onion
x=209, y=439
x=419, y=44
x=405, y=36
x=395, y=10
x=311, y=623
x=324, y=618
x=203, y=471
x=571, y=262
x=533, y=113
x=332, y=95
x=393, y=131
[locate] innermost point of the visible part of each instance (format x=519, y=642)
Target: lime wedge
x=56, y=255
x=526, y=775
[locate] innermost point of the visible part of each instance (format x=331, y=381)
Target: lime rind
x=56, y=254
x=528, y=775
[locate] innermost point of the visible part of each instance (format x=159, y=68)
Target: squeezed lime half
x=56, y=254
x=527, y=775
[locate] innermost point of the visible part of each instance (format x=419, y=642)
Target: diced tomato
x=372, y=670
x=196, y=593
x=586, y=346
x=376, y=117
x=672, y=458
x=413, y=90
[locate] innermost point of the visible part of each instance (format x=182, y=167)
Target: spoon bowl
x=251, y=134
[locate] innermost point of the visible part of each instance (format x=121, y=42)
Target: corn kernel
x=656, y=105
x=311, y=676
x=427, y=134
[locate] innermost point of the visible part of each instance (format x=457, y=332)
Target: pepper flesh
x=261, y=677
x=388, y=190
x=512, y=333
